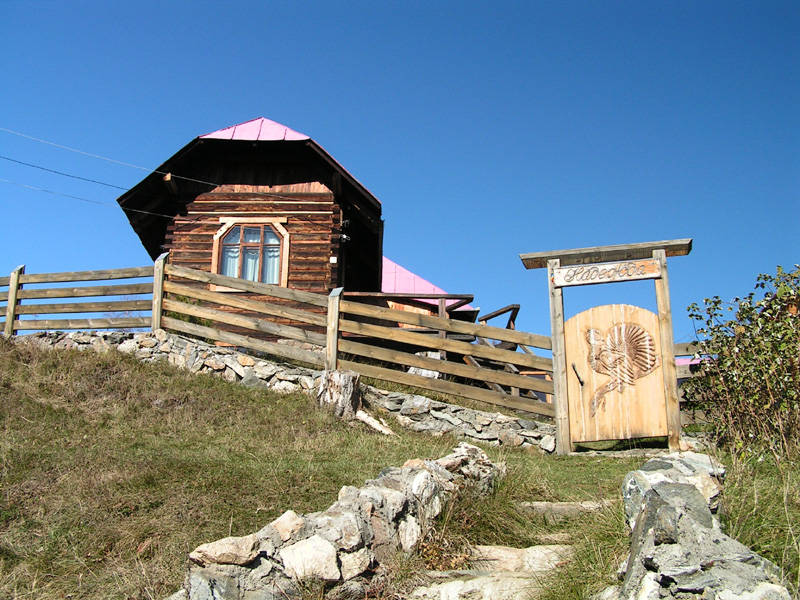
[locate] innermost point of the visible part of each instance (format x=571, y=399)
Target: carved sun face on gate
x=625, y=353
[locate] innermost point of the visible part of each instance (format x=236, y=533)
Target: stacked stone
x=678, y=549
x=343, y=544
x=413, y=412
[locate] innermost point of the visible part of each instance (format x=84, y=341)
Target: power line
x=111, y=160
x=38, y=189
x=208, y=183
x=19, y=162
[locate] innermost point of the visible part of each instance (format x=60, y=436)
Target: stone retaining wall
x=343, y=544
x=413, y=412
x=678, y=549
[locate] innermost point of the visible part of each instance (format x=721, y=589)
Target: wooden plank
x=450, y=325
x=560, y=400
x=687, y=349
x=84, y=292
x=4, y=281
x=447, y=387
x=12, y=299
x=332, y=338
x=283, y=350
x=84, y=307
x=61, y=324
x=248, y=304
x=611, y=272
x=469, y=371
x=247, y=286
x=129, y=273
x=582, y=256
x=667, y=356
x=245, y=322
x=429, y=342
x=158, y=290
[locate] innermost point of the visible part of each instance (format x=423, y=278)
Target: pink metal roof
x=399, y=280
x=257, y=130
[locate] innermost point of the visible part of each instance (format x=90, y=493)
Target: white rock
x=548, y=443
x=284, y=387
x=313, y=557
x=128, y=347
x=227, y=551
x=355, y=563
x=288, y=524
x=409, y=532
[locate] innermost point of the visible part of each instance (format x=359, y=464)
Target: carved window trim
x=227, y=223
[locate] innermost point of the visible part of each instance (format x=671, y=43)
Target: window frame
x=228, y=223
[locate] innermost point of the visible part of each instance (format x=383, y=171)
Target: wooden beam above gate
x=599, y=254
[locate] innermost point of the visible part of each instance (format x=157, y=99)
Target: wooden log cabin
x=262, y=202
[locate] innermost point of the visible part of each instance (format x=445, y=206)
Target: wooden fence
x=116, y=310
x=489, y=364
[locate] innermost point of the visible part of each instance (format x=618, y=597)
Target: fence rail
x=490, y=364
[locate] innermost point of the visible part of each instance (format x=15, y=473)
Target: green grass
x=111, y=471
x=761, y=508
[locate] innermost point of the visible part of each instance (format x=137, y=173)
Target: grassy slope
x=112, y=470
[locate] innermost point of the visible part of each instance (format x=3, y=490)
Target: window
x=252, y=253
x=255, y=250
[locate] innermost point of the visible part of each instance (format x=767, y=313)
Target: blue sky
x=486, y=130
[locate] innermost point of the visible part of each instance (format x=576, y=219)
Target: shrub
x=750, y=376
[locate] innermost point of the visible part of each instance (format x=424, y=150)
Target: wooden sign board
x=615, y=384
x=628, y=270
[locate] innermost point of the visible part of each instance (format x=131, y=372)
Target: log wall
x=313, y=222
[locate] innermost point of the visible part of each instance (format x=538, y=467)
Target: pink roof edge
x=256, y=130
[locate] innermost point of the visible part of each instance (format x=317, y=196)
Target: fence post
x=11, y=306
x=158, y=291
x=332, y=342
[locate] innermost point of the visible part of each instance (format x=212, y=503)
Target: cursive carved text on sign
x=628, y=270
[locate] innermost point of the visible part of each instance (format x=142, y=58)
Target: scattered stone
x=548, y=443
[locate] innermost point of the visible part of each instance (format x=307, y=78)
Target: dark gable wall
x=276, y=180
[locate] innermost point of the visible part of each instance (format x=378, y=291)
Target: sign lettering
x=630, y=270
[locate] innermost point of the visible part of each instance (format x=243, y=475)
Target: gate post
x=332, y=341
x=563, y=443
x=669, y=369
x=11, y=305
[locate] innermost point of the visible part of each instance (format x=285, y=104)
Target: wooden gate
x=591, y=360
x=615, y=385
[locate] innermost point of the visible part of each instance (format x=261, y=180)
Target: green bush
x=749, y=383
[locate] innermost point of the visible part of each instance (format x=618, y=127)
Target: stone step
x=479, y=585
x=555, y=512
x=536, y=559
x=498, y=573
